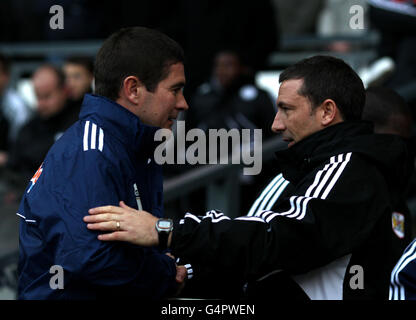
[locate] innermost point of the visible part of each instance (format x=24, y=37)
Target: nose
x=278, y=125
x=182, y=104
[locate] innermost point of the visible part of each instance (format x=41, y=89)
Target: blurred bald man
x=55, y=113
x=50, y=91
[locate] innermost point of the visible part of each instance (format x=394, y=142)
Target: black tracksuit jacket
x=330, y=233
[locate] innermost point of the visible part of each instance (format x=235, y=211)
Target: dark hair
x=86, y=62
x=135, y=51
x=4, y=64
x=60, y=76
x=326, y=77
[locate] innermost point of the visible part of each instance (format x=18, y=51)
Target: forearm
x=218, y=243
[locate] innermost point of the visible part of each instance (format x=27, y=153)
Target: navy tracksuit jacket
x=98, y=161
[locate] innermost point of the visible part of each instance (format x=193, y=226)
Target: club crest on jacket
x=35, y=177
x=397, y=220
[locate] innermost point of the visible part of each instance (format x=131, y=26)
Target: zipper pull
x=136, y=193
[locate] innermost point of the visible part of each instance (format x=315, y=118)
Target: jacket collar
x=294, y=161
x=119, y=122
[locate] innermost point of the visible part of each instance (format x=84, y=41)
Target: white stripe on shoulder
x=337, y=174
x=328, y=174
x=90, y=137
x=93, y=135
x=86, y=128
x=325, y=176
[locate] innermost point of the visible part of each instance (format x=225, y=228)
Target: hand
x=127, y=224
x=181, y=271
x=181, y=276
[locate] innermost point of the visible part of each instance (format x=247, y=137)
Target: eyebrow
x=283, y=104
x=178, y=85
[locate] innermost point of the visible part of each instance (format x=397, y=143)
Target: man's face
x=227, y=68
x=295, y=118
x=161, y=107
x=50, y=96
x=78, y=80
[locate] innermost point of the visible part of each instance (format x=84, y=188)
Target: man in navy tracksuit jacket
x=98, y=161
x=104, y=158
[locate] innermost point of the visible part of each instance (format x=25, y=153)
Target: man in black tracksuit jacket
x=324, y=231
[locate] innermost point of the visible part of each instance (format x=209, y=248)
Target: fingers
x=103, y=217
x=114, y=236
x=112, y=209
x=181, y=274
x=103, y=226
x=105, y=209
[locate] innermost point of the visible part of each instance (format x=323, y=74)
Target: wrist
x=155, y=235
x=170, y=239
x=163, y=228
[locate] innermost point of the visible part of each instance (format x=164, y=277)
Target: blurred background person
x=14, y=113
x=389, y=112
x=54, y=114
x=271, y=33
x=230, y=99
x=79, y=75
x=204, y=27
x=391, y=115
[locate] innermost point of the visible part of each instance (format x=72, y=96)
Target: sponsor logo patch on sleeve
x=35, y=177
x=397, y=220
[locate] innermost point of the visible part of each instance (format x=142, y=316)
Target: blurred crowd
x=27, y=134
x=226, y=44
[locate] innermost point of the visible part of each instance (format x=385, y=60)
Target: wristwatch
x=164, y=227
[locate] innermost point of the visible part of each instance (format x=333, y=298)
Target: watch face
x=164, y=224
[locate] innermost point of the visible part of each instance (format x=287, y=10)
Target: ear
x=329, y=113
x=132, y=89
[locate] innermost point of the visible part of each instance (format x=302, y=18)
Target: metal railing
x=224, y=196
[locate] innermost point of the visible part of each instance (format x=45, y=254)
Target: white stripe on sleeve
x=254, y=207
